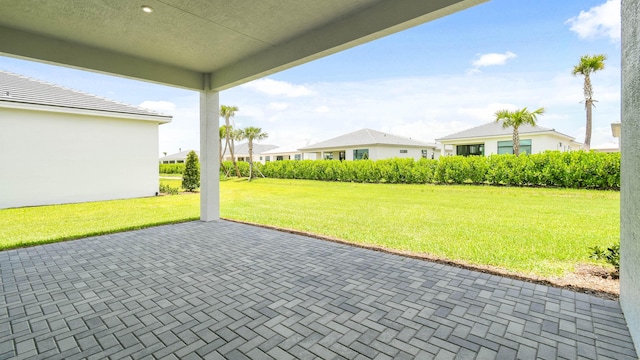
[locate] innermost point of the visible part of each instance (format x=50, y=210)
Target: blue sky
x=426, y=82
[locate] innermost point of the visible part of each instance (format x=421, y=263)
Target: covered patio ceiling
x=182, y=42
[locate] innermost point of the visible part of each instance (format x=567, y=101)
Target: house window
x=468, y=150
x=297, y=157
x=425, y=153
x=403, y=151
x=361, y=154
x=279, y=158
x=506, y=147
x=267, y=158
x=260, y=158
x=180, y=161
x=328, y=156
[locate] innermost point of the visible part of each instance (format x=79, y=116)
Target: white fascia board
x=471, y=140
x=353, y=146
x=66, y=110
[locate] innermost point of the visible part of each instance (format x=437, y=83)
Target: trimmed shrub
x=577, y=169
x=167, y=189
x=191, y=176
x=171, y=168
x=611, y=255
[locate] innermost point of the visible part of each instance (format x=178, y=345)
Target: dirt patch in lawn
x=587, y=278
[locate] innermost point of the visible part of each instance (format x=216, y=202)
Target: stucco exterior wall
x=376, y=152
x=54, y=158
x=539, y=143
x=630, y=169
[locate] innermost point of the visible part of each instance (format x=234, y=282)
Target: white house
x=281, y=153
x=177, y=158
x=241, y=151
x=369, y=144
x=492, y=138
x=59, y=146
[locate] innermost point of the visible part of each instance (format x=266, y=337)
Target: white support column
x=209, y=154
x=630, y=170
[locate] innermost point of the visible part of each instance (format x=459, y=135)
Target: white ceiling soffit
x=202, y=44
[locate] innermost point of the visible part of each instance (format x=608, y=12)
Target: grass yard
x=537, y=231
x=44, y=224
x=545, y=232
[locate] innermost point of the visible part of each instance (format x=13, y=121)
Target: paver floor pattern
x=227, y=290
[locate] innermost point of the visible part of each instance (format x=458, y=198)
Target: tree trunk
x=588, y=104
x=228, y=144
x=221, y=155
x=233, y=159
x=516, y=141
x=587, y=136
x=250, y=159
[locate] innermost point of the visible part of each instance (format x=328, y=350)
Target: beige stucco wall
x=53, y=158
x=630, y=169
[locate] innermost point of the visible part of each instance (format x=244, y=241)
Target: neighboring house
x=369, y=144
x=281, y=153
x=178, y=158
x=241, y=151
x=492, y=138
x=59, y=145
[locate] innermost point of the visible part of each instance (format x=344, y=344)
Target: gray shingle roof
x=242, y=149
x=179, y=156
x=16, y=88
x=366, y=137
x=495, y=129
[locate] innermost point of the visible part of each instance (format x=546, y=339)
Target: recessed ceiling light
x=147, y=9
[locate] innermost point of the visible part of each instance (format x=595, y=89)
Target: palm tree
x=223, y=135
x=227, y=112
x=252, y=133
x=515, y=119
x=588, y=64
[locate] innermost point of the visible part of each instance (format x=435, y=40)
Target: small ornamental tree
x=191, y=176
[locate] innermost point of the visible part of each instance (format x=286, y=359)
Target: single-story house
x=281, y=153
x=492, y=138
x=177, y=158
x=369, y=144
x=59, y=145
x=241, y=151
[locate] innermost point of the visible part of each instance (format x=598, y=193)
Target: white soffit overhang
x=202, y=44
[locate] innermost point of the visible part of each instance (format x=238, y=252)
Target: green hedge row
x=576, y=169
x=171, y=168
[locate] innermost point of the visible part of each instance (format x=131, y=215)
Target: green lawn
x=537, y=231
x=43, y=224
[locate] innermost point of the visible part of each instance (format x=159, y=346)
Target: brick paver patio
x=226, y=290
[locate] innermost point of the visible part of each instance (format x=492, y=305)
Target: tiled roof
x=241, y=149
x=15, y=88
x=179, y=156
x=496, y=129
x=366, y=137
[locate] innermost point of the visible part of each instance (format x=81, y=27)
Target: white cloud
x=278, y=106
x=599, y=21
x=427, y=108
x=493, y=59
x=162, y=106
x=276, y=87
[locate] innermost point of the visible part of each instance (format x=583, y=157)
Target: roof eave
x=77, y=111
